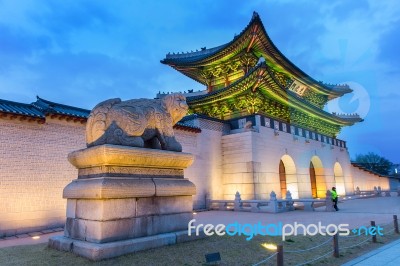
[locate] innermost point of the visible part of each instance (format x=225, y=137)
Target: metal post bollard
x=374, y=235
x=396, y=224
x=279, y=257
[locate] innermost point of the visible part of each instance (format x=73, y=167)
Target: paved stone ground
x=27, y=240
x=353, y=212
x=388, y=255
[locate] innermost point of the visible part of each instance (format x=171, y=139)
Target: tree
x=374, y=162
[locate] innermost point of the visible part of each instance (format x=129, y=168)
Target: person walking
x=334, y=198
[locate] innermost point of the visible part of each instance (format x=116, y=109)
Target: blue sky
x=82, y=52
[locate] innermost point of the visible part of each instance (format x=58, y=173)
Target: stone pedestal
x=124, y=194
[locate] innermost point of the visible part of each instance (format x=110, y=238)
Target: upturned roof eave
x=281, y=60
x=182, y=61
x=291, y=100
x=48, y=107
x=17, y=108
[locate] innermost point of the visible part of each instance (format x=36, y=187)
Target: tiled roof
x=48, y=107
x=20, y=109
x=237, y=87
x=186, y=62
x=233, y=85
x=43, y=107
x=183, y=126
x=195, y=116
x=192, y=56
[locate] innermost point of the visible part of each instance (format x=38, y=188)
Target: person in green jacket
x=334, y=198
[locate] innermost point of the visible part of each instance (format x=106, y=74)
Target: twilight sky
x=82, y=52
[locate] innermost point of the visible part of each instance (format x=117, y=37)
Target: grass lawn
x=234, y=251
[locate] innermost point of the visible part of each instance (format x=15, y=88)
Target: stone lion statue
x=141, y=123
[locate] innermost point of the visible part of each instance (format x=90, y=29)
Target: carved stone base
x=120, y=195
x=101, y=221
x=123, y=161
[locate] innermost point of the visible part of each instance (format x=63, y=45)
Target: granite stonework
x=144, y=123
x=109, y=250
x=137, y=199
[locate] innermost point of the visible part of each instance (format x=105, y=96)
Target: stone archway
x=288, y=177
x=317, y=178
x=282, y=178
x=339, y=179
x=313, y=181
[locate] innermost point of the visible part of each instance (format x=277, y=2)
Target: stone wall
x=33, y=172
x=34, y=167
x=394, y=183
x=251, y=164
x=251, y=159
x=367, y=181
x=206, y=170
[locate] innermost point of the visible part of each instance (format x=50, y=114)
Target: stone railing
x=273, y=205
x=377, y=192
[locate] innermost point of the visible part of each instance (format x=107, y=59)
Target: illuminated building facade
x=259, y=126
x=277, y=135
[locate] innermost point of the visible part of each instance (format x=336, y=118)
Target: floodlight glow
x=269, y=246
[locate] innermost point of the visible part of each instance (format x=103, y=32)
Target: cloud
x=80, y=53
x=345, y=10
x=389, y=44
x=18, y=45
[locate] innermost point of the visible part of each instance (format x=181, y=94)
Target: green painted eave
x=190, y=64
x=269, y=87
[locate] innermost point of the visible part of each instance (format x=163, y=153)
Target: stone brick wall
x=34, y=168
x=206, y=171
x=33, y=172
x=251, y=164
x=367, y=181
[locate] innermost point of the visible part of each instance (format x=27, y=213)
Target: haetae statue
x=140, y=123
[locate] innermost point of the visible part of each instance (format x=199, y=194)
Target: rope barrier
x=265, y=260
x=350, y=236
x=318, y=258
x=362, y=238
x=352, y=246
x=388, y=232
x=391, y=222
x=308, y=249
x=367, y=238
